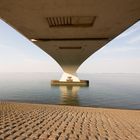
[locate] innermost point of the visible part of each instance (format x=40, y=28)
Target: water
x=105, y=90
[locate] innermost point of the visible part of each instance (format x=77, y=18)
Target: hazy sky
x=18, y=54
x=121, y=55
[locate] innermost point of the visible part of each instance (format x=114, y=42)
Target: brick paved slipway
x=24, y=121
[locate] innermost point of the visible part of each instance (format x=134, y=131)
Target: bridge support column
x=65, y=77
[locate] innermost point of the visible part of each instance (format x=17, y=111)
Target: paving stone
x=21, y=121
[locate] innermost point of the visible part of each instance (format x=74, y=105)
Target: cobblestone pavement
x=21, y=121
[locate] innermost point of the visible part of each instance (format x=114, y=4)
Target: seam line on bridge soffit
x=70, y=39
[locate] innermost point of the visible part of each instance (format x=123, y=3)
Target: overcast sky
x=121, y=55
x=18, y=54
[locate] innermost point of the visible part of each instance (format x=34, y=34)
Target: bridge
x=70, y=30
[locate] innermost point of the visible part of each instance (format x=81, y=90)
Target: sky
x=121, y=55
x=18, y=54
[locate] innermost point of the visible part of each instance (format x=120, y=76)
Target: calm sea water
x=105, y=90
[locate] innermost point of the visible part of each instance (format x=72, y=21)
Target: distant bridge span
x=70, y=30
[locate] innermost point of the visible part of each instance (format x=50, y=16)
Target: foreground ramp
x=21, y=121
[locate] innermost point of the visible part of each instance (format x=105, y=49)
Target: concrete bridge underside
x=70, y=30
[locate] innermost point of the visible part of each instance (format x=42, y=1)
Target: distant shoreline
x=39, y=103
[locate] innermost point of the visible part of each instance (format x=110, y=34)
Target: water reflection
x=69, y=95
x=105, y=90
